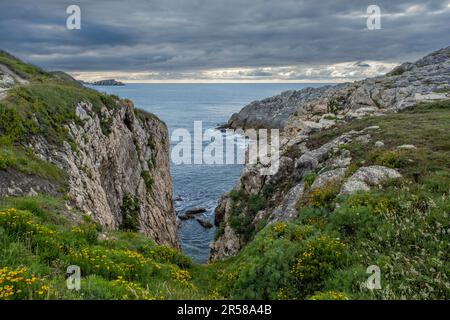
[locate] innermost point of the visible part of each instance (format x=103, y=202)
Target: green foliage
x=25, y=161
x=323, y=197
x=24, y=70
x=390, y=159
x=148, y=180
x=335, y=105
x=263, y=268
x=320, y=257
x=244, y=208
x=127, y=266
x=130, y=212
x=308, y=179
x=329, y=295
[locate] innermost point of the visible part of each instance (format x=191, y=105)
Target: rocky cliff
x=316, y=165
x=106, y=158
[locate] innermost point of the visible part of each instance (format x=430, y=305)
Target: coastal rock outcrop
x=308, y=165
x=96, y=152
x=130, y=160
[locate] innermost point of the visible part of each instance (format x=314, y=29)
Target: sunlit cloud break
x=334, y=73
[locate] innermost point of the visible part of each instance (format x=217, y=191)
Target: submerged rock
x=205, y=224
x=194, y=211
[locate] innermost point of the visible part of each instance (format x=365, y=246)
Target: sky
x=223, y=41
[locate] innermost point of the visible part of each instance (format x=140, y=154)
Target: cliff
x=326, y=151
x=103, y=156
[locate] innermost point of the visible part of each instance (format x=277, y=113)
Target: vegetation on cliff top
x=45, y=106
x=403, y=228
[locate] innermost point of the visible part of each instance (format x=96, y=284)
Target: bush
x=165, y=254
x=390, y=159
x=320, y=258
x=262, y=269
x=130, y=212
x=148, y=180
x=323, y=197
x=20, y=283
x=308, y=179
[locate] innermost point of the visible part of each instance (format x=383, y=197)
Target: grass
x=45, y=107
x=41, y=244
x=24, y=70
x=25, y=161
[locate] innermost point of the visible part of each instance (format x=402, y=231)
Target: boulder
x=327, y=177
x=366, y=177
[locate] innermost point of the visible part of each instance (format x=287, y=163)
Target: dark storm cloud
x=188, y=36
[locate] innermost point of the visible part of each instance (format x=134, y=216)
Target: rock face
x=302, y=113
x=118, y=153
x=426, y=79
x=273, y=112
x=366, y=177
x=133, y=159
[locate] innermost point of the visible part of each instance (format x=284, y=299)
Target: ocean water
x=198, y=185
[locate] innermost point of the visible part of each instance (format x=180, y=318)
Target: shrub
x=308, y=179
x=164, y=254
x=321, y=256
x=390, y=159
x=20, y=283
x=148, y=180
x=262, y=269
x=88, y=230
x=323, y=197
x=130, y=212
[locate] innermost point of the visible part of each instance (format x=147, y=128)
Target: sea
x=198, y=185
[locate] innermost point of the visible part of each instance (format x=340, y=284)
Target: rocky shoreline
x=300, y=114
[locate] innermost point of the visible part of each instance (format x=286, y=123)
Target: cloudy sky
x=223, y=41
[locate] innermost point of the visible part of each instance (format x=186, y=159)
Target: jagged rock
x=229, y=245
x=191, y=213
x=304, y=112
x=273, y=112
x=404, y=87
x=366, y=177
x=364, y=139
x=15, y=183
x=108, y=166
x=327, y=177
x=287, y=211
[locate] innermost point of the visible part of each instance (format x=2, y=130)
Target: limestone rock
x=327, y=177
x=366, y=177
x=407, y=147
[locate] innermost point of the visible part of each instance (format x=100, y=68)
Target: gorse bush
x=127, y=266
x=19, y=283
x=320, y=258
